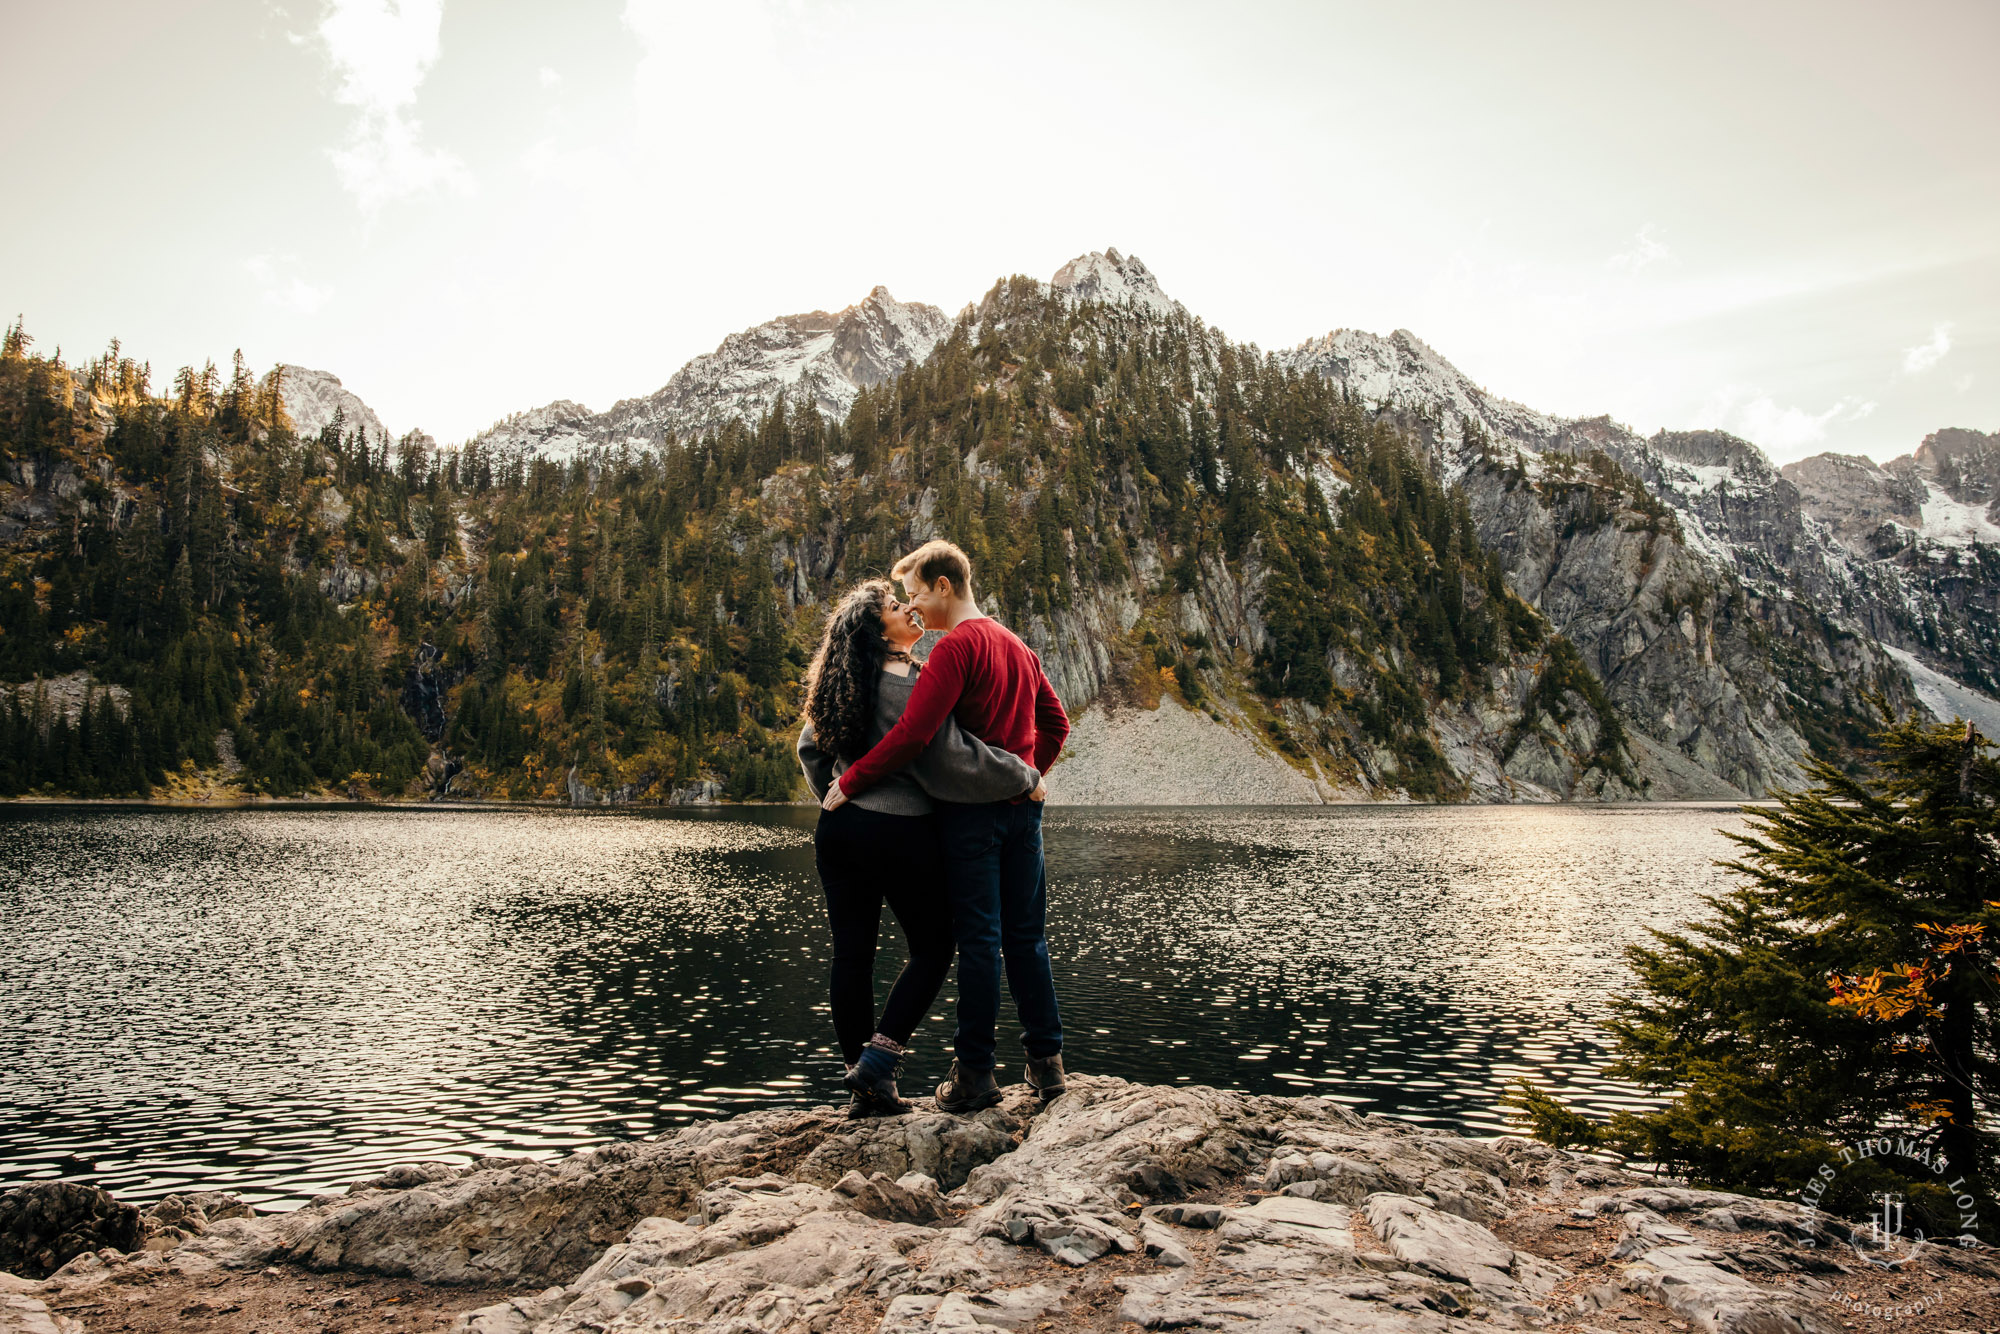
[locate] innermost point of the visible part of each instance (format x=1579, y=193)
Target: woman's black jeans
x=866, y=857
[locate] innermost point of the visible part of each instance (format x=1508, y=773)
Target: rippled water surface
x=279, y=1001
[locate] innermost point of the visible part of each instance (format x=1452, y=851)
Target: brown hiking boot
x=967, y=1091
x=1045, y=1076
x=875, y=1095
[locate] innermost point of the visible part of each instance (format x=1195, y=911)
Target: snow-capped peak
x=556, y=430
x=821, y=356
x=1402, y=371
x=1106, y=275
x=311, y=396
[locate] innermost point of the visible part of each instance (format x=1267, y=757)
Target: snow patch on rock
x=1956, y=523
x=1947, y=699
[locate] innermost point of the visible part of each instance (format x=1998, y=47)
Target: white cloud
x=1777, y=429
x=381, y=50
x=548, y=77
x=698, y=65
x=1918, y=359
x=1646, y=249
x=280, y=286
x=1963, y=382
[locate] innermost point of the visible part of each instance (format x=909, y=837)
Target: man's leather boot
x=967, y=1091
x=1045, y=1076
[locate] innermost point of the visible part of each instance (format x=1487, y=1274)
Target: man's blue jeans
x=999, y=911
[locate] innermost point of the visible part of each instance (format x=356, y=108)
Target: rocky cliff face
x=1917, y=542
x=1682, y=566
x=1854, y=498
x=312, y=397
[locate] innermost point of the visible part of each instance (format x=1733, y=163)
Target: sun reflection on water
x=280, y=1001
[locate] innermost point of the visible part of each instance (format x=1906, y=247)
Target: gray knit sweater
x=955, y=766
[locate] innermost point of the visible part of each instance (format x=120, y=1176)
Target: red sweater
x=984, y=675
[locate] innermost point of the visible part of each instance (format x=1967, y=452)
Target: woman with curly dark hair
x=882, y=845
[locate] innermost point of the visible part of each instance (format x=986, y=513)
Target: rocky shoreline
x=1117, y=1207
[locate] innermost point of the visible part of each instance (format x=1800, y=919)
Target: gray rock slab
x=795, y=1280
x=999, y=1309
x=1689, y=1281
x=22, y=1314
x=1441, y=1243
x=515, y=1220
x=1325, y=1158
x=956, y=1258
x=1307, y=1305
x=1507, y=1281
x=1716, y=1210
x=1161, y=1243
x=912, y=1198
x=1131, y=1141
x=1283, y=1235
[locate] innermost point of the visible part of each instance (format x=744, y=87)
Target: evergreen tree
x=1850, y=986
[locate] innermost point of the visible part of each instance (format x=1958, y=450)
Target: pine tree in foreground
x=1849, y=988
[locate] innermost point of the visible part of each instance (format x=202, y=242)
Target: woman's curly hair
x=842, y=682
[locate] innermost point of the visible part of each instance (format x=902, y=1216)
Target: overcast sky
x=1778, y=218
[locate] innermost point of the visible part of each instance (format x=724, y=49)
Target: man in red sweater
x=982, y=674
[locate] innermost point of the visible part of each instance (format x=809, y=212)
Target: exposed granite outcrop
x=1163, y=1207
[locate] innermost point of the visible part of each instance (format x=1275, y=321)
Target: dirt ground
x=269, y=1301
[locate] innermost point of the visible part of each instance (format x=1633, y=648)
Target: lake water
x=279, y=1001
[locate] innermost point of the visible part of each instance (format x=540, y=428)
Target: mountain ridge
x=1898, y=595
x=1741, y=527
x=1386, y=579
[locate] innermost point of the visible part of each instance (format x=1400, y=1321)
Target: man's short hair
x=934, y=560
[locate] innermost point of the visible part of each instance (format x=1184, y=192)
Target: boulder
x=942, y=1147
x=912, y=1198
x=171, y=1221
x=45, y=1224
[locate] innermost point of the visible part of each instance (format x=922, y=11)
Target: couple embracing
x=931, y=781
